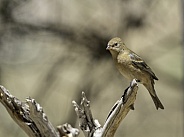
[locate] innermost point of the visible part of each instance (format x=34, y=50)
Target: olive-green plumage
x=132, y=66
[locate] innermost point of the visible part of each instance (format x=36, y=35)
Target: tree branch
x=92, y=128
x=31, y=118
x=29, y=115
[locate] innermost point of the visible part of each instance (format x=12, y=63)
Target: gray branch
x=92, y=128
x=29, y=115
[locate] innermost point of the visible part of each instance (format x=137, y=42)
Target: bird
x=132, y=66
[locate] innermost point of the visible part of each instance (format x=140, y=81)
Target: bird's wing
x=139, y=63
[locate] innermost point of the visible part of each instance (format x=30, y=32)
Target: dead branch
x=29, y=115
x=92, y=128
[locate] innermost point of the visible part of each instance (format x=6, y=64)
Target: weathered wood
x=29, y=115
x=92, y=128
x=120, y=110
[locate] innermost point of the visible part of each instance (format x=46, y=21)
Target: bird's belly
x=130, y=73
x=125, y=71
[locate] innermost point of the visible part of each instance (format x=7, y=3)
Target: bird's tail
x=157, y=102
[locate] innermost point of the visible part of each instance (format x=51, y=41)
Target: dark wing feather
x=139, y=63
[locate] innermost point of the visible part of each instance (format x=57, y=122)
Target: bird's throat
x=114, y=54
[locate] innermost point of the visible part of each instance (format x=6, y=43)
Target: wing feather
x=139, y=63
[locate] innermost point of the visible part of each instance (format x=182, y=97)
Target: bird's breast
x=124, y=69
x=130, y=72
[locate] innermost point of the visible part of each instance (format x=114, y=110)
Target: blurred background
x=54, y=50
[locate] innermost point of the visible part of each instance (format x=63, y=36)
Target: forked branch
x=29, y=115
x=92, y=128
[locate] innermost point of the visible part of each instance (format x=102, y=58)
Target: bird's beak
x=108, y=47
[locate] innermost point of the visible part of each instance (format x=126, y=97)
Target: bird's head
x=115, y=45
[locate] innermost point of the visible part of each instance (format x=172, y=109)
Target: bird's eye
x=115, y=44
